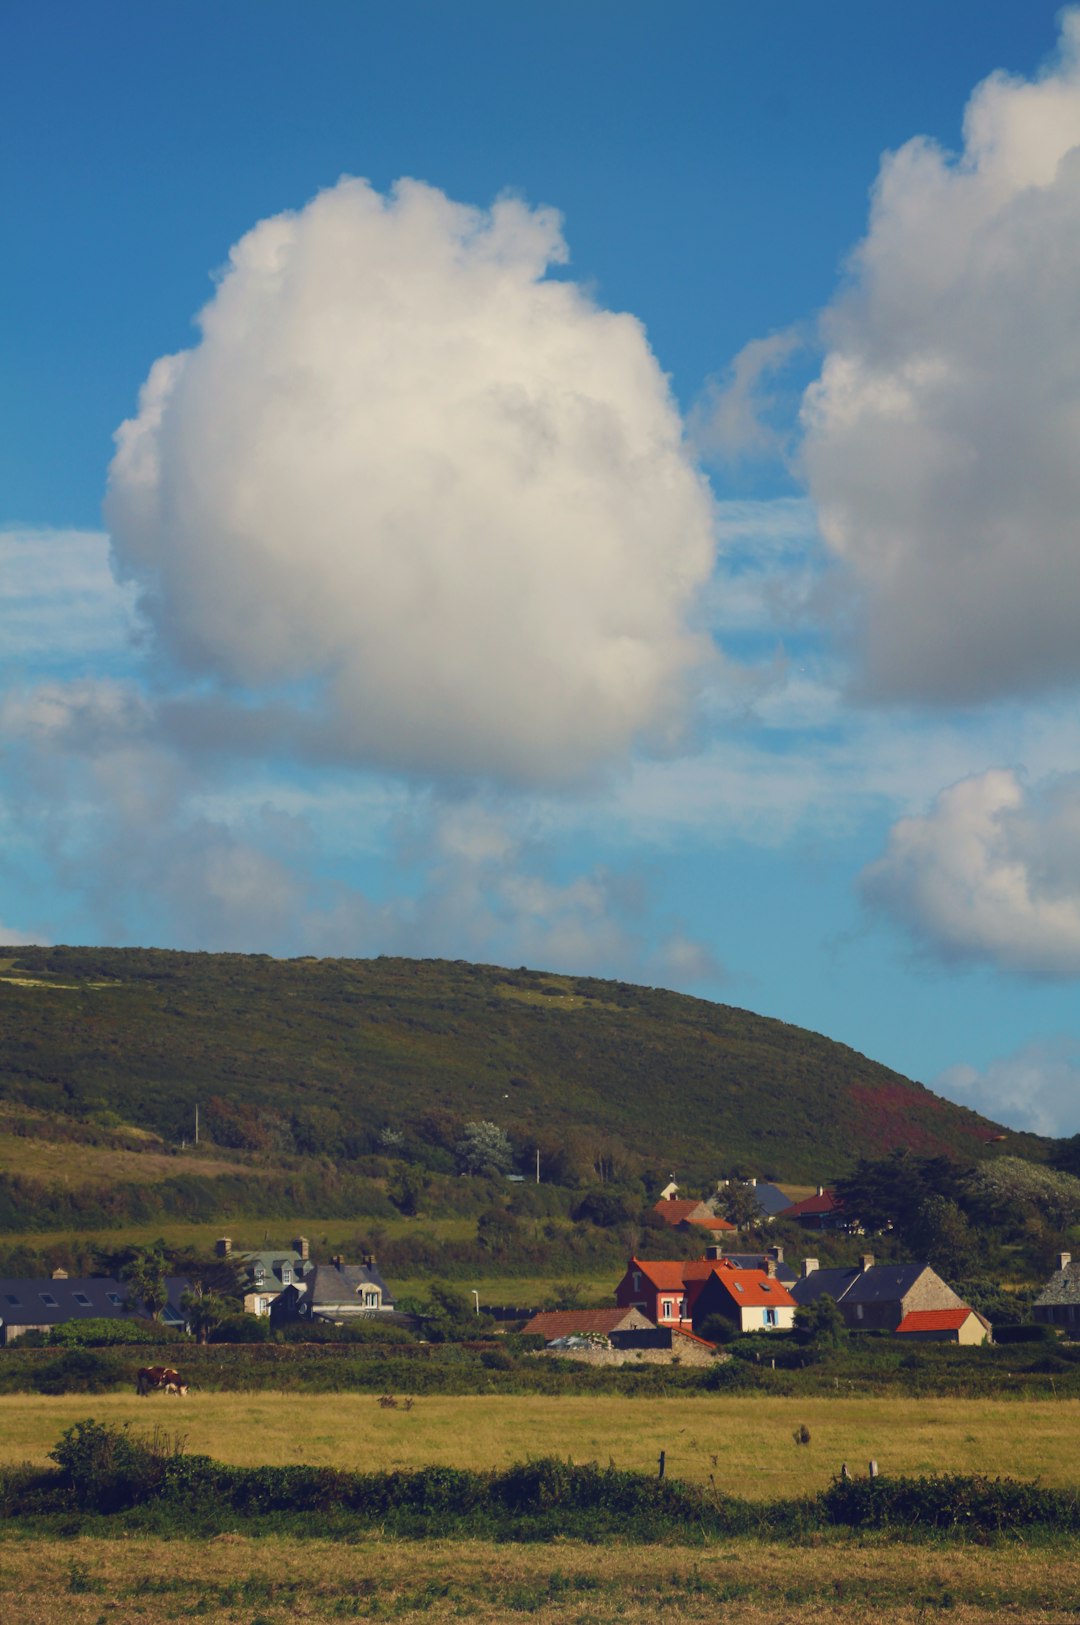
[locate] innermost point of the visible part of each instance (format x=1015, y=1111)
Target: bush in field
x=484, y=1148
x=103, y=1333
x=109, y=1468
x=76, y=1371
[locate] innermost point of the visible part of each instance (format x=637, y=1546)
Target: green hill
x=319, y=1057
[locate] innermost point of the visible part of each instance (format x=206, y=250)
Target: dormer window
x=286, y=1275
x=259, y=1274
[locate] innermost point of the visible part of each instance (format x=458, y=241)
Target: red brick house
x=685, y=1294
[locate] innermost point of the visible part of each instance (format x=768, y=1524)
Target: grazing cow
x=153, y=1377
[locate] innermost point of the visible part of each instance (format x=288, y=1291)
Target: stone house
x=336, y=1292
x=264, y=1275
x=1058, y=1304
x=874, y=1296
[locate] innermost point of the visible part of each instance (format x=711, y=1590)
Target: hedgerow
x=148, y=1482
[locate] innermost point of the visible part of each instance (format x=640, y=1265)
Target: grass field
x=744, y=1445
x=833, y=1582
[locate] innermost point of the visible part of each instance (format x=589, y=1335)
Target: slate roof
x=760, y=1261
x=273, y=1264
x=1062, y=1287
x=771, y=1198
x=883, y=1283
x=326, y=1284
x=834, y=1282
x=45, y=1301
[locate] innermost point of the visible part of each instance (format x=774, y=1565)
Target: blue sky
x=614, y=512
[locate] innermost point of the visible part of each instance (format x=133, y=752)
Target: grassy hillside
x=317, y=1057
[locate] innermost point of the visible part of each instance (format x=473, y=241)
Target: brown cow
x=153, y=1377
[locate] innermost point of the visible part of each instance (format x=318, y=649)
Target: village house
x=771, y=1200
x=1058, y=1304
x=682, y=1214
x=962, y=1325
x=336, y=1292
x=39, y=1305
x=823, y=1211
x=617, y=1337
x=684, y=1293
x=263, y=1276
x=874, y=1296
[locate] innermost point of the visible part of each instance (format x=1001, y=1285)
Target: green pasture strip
x=743, y=1447
x=839, y=1580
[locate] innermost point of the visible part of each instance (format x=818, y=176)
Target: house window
x=264, y=1306
x=665, y=1309
x=737, y=1285
x=682, y=1308
x=371, y=1300
x=286, y=1275
x=260, y=1275
x=48, y=1300
x=770, y=1317
x=114, y=1298
x=15, y=1302
x=858, y=1311
x=637, y=1280
x=80, y=1297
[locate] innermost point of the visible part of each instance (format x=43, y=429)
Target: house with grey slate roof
x=874, y=1296
x=264, y=1275
x=38, y=1305
x=337, y=1292
x=770, y=1198
x=1058, y=1304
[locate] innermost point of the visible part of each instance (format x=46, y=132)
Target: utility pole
x=196, y=1122
x=538, y=1165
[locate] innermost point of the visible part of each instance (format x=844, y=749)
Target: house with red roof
x=824, y=1211
x=961, y=1325
x=682, y=1213
x=686, y=1293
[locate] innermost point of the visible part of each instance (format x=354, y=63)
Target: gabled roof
x=834, y=1282
x=936, y=1320
x=552, y=1323
x=1062, y=1287
x=326, y=1284
x=753, y=1289
x=771, y=1199
x=665, y=1274
x=678, y=1211
x=827, y=1202
x=884, y=1283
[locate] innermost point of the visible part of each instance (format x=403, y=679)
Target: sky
x=593, y=487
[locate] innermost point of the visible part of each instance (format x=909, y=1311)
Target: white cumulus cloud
x=1037, y=1088
x=942, y=437
x=989, y=873
x=433, y=496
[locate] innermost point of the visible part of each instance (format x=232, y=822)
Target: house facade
x=963, y=1325
x=680, y=1294
x=264, y=1275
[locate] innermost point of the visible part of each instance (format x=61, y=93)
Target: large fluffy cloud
x=435, y=496
x=1037, y=1088
x=942, y=439
x=990, y=873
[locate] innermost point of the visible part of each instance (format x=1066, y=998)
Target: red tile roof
x=552, y=1323
x=827, y=1202
x=755, y=1288
x=685, y=1211
x=666, y=1274
x=934, y=1320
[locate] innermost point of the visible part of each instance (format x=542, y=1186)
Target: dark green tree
x=144, y=1275
x=820, y=1322
x=738, y=1204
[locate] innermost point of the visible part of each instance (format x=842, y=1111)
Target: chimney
x=770, y=1268
x=714, y=1253
x=223, y=1247
x=301, y=1246
x=776, y=1253
x=1064, y=1260
x=368, y=1260
x=62, y=1275
x=866, y=1262
x=753, y=1184
x=338, y=1260
x=809, y=1265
